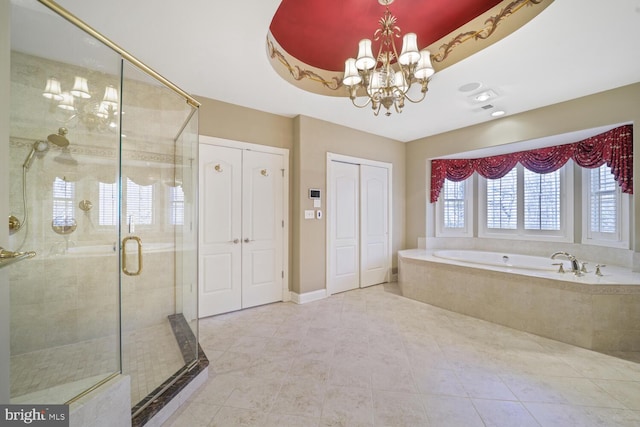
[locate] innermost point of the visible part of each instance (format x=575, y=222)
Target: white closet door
x=263, y=232
x=374, y=225
x=220, y=230
x=345, y=239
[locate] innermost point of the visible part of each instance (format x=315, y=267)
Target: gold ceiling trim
x=297, y=72
x=449, y=49
x=484, y=33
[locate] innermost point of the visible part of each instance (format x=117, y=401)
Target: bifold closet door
x=220, y=270
x=241, y=229
x=359, y=229
x=374, y=225
x=262, y=228
x=345, y=227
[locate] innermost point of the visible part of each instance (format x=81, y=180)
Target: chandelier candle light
x=95, y=115
x=386, y=80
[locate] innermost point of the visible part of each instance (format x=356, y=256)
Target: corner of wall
x=295, y=208
x=5, y=354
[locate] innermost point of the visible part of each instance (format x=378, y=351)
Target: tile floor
x=373, y=358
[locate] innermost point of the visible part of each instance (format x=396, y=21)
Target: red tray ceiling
x=325, y=33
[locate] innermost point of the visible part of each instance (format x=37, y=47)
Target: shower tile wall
x=69, y=293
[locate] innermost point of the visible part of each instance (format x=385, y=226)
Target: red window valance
x=615, y=148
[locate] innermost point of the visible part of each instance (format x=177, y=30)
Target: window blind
x=502, y=202
x=541, y=200
x=603, y=201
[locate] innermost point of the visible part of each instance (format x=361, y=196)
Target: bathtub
x=501, y=259
x=60, y=249
x=529, y=294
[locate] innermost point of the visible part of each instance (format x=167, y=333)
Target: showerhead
x=38, y=147
x=59, y=139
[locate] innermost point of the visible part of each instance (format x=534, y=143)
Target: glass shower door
x=159, y=154
x=63, y=149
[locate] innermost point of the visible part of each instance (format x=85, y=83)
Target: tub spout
x=575, y=266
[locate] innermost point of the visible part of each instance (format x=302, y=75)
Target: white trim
x=211, y=140
x=284, y=152
x=331, y=157
x=309, y=296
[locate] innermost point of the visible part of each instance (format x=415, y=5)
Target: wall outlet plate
x=309, y=214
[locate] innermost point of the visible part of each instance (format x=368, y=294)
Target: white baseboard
x=309, y=296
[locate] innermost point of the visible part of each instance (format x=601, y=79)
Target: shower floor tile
x=57, y=374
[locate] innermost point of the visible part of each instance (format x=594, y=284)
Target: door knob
x=247, y=240
x=235, y=241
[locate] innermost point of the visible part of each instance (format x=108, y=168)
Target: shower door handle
x=124, y=256
x=9, y=257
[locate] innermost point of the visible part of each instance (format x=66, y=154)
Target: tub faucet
x=575, y=265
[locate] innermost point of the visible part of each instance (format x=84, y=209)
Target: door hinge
x=283, y=223
x=283, y=274
x=282, y=172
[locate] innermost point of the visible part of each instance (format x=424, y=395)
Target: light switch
x=309, y=214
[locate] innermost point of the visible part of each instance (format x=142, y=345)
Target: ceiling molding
x=481, y=32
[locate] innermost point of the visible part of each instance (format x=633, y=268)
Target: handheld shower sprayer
x=38, y=148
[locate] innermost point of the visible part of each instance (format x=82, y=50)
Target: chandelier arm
x=424, y=94
x=353, y=101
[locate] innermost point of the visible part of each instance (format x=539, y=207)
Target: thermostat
x=314, y=193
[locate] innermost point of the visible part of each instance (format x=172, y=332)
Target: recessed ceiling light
x=469, y=87
x=497, y=113
x=483, y=96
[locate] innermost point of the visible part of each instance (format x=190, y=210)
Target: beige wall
x=237, y=123
x=308, y=140
x=615, y=106
x=313, y=140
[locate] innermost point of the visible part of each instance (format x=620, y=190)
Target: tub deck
x=599, y=313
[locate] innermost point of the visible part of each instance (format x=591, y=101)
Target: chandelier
x=77, y=103
x=386, y=79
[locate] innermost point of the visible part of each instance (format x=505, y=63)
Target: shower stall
x=101, y=254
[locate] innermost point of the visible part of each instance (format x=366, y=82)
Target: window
x=138, y=203
x=605, y=208
x=541, y=201
x=63, y=197
x=502, y=202
x=108, y=204
x=176, y=206
x=526, y=203
x=454, y=214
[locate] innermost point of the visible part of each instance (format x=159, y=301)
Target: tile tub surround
x=602, y=317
